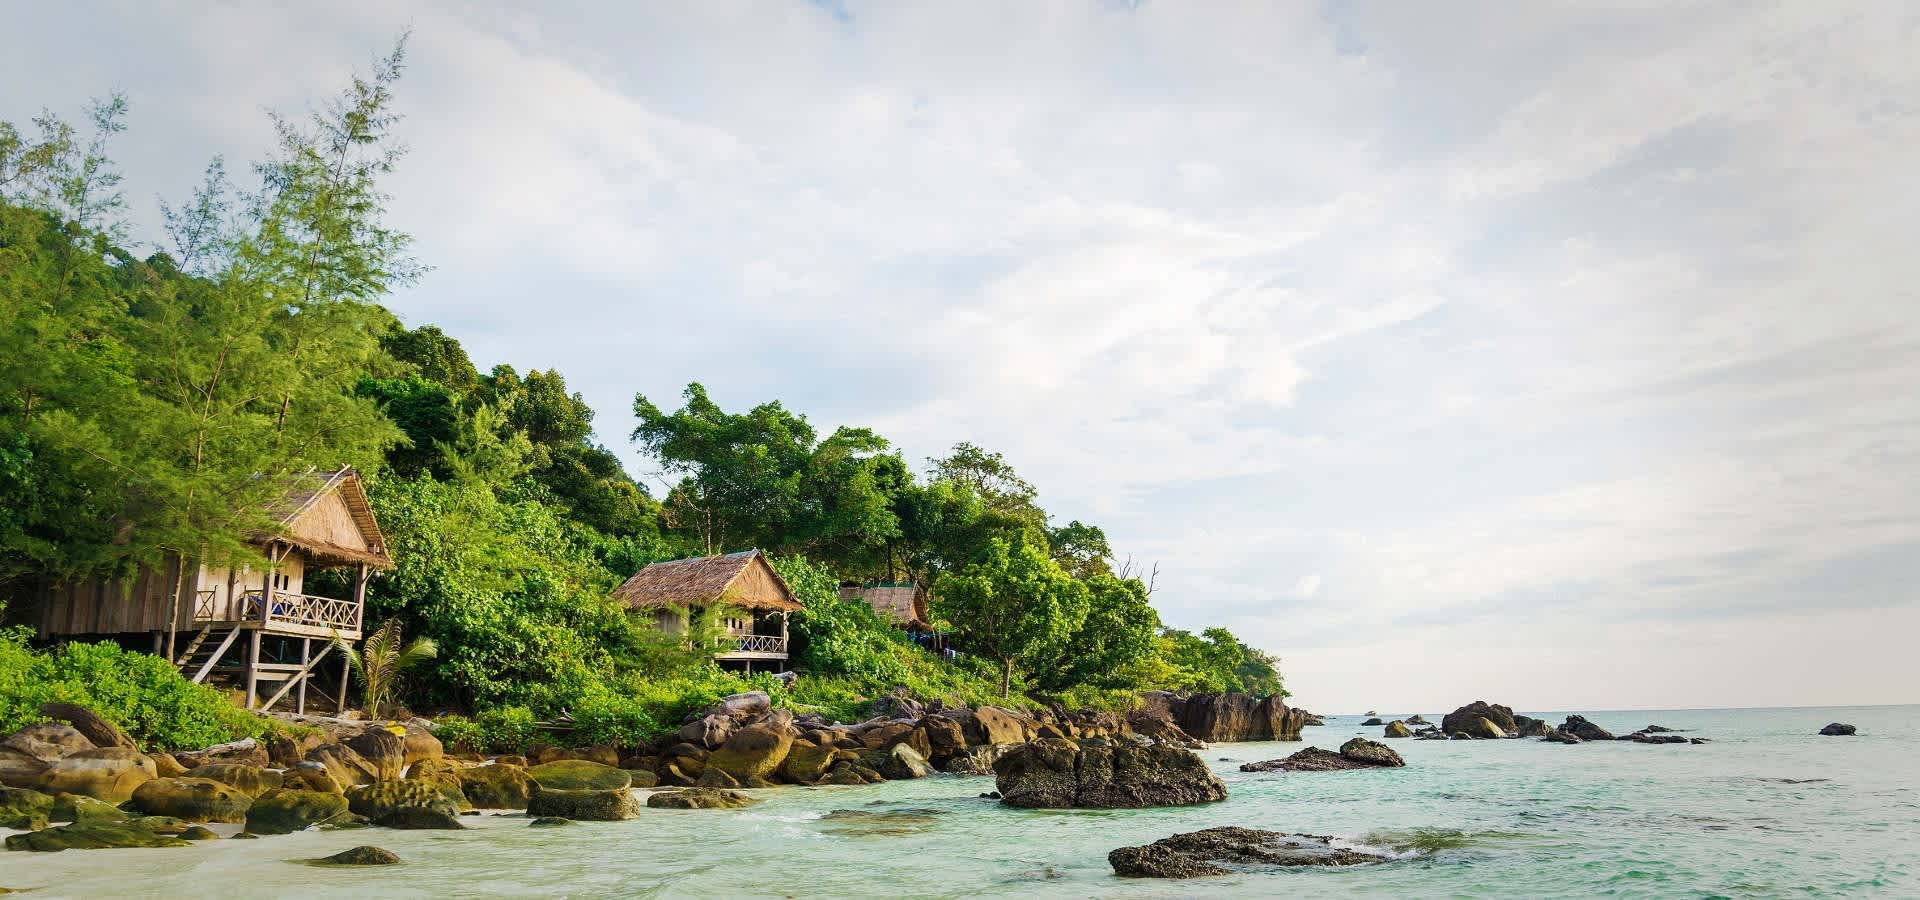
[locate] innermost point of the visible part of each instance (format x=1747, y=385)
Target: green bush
x=141, y=693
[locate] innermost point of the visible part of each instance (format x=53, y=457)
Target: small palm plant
x=382, y=660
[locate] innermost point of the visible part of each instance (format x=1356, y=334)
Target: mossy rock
x=199, y=833
x=195, y=799
x=161, y=824
x=807, y=762
x=497, y=786
x=716, y=778
x=251, y=779
x=91, y=836
x=361, y=856
x=286, y=811
x=549, y=822
x=111, y=774
x=75, y=808
x=420, y=818
x=245, y=836
x=588, y=806
x=25, y=809
x=643, y=778
x=699, y=798
x=376, y=801
x=580, y=775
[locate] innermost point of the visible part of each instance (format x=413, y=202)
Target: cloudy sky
x=1564, y=358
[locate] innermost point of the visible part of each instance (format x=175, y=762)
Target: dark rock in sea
x=1358, y=753
x=362, y=856
x=1055, y=773
x=1398, y=729
x=199, y=833
x=1837, y=729
x=1416, y=719
x=594, y=806
x=1561, y=737
x=1372, y=721
x=1229, y=850
x=92, y=836
x=1658, y=729
x=549, y=822
x=1433, y=735
x=1698, y=740
x=699, y=798
x=1579, y=727
x=1464, y=719
x=420, y=818
x=1528, y=726
x=1641, y=737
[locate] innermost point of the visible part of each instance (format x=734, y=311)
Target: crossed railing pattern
x=303, y=609
x=760, y=643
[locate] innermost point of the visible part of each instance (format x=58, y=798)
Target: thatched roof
x=743, y=579
x=298, y=513
x=902, y=604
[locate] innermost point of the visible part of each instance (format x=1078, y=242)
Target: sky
x=1557, y=356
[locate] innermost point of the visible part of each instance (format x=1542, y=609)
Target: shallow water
x=1769, y=808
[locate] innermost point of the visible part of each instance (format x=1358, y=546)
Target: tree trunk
x=1006, y=677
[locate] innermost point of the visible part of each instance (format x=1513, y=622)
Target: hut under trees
x=253, y=624
x=758, y=602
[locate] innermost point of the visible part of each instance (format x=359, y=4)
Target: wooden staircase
x=209, y=644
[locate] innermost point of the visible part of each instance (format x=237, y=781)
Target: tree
x=1014, y=606
x=1081, y=549
x=1117, y=633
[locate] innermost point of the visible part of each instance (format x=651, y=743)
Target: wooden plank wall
x=135, y=603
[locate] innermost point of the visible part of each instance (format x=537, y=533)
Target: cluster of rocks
x=1127, y=772
x=1218, y=718
x=1358, y=753
x=1481, y=720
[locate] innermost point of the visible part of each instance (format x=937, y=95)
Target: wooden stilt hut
x=672, y=592
x=254, y=625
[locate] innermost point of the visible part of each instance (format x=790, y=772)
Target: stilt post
x=306, y=660
x=253, y=667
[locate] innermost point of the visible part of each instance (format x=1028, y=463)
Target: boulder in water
x=580, y=775
x=1372, y=721
x=1203, y=853
x=1464, y=719
x=1056, y=773
x=587, y=806
x=109, y=774
x=286, y=811
x=1579, y=727
x=92, y=836
x=903, y=763
x=192, y=799
x=1358, y=753
x=1398, y=729
x=1837, y=729
x=699, y=798
x=1527, y=726
x=362, y=856
x=1561, y=737
x=24, y=809
x=75, y=808
x=497, y=786
x=252, y=780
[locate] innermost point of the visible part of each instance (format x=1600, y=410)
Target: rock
x=644, y=779
x=1417, y=719
x=243, y=836
x=91, y=836
x=419, y=745
x=192, y=799
x=1224, y=717
x=377, y=801
x=49, y=741
x=1055, y=773
x=383, y=752
x=1200, y=853
x=520, y=761
x=1479, y=729
x=420, y=818
x=1561, y=737
x=903, y=763
x=1358, y=753
x=1371, y=752
x=1658, y=729
x=1579, y=727
x=362, y=856
x=344, y=765
x=254, y=781
x=717, y=778
x=743, y=706
x=98, y=731
x=109, y=774
x=1398, y=729
x=161, y=824
x=897, y=705
x=165, y=766
x=1001, y=726
x=1641, y=737
x=75, y=808
x=1526, y=727
x=1838, y=729
x=806, y=762
x=591, y=806
x=1374, y=721
x=285, y=811
x=549, y=822
x=1463, y=720
x=580, y=775
x=25, y=809
x=699, y=798
x=883, y=736
x=199, y=833
x=243, y=752
x=976, y=760
x=497, y=786
x=286, y=751
x=944, y=736
x=754, y=751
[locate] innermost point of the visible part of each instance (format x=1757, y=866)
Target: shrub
x=143, y=694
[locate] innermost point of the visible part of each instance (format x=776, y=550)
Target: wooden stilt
x=346, y=674
x=306, y=665
x=253, y=668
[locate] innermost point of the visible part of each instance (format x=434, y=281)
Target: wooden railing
x=759, y=643
x=303, y=610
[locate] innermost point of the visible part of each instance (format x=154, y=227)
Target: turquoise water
x=1517, y=818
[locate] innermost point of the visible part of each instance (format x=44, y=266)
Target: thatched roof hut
x=743, y=579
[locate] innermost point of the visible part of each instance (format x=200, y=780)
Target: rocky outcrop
x=1358, y=753
x=1526, y=726
x=93, y=836
x=75, y=808
x=1202, y=853
x=24, y=809
x=243, y=752
x=1416, y=719
x=1465, y=720
x=588, y=806
x=362, y=856
x=252, y=780
x=382, y=800
x=754, y=751
x=1561, y=737
x=343, y=765
x=1579, y=727
x=1398, y=729
x=903, y=762
x=1838, y=729
x=26, y=754
x=286, y=811
x=1642, y=737
x=1371, y=722
x=699, y=798
x=383, y=752
x=192, y=800
x=580, y=775
x=1056, y=773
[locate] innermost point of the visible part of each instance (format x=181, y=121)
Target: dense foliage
x=156, y=405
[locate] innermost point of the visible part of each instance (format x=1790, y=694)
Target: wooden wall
x=116, y=606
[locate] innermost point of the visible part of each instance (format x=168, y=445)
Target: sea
x=1766, y=808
